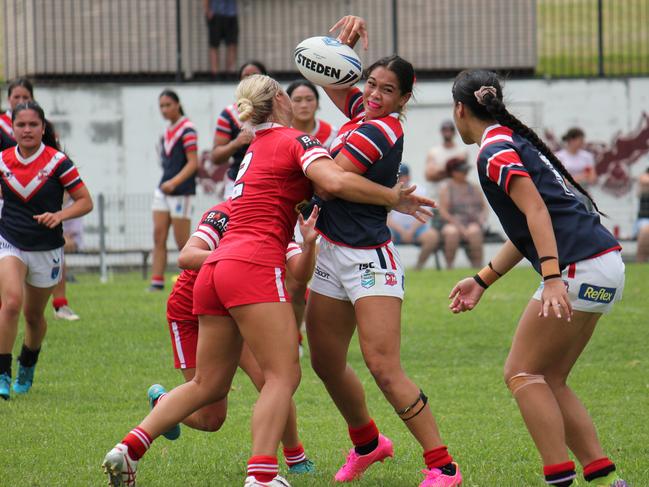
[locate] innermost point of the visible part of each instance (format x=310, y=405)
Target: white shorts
x=177, y=206
x=349, y=274
x=593, y=284
x=43, y=266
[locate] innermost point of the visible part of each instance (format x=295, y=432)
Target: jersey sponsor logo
x=317, y=67
x=391, y=279
x=218, y=220
x=307, y=141
x=320, y=273
x=369, y=265
x=368, y=279
x=597, y=294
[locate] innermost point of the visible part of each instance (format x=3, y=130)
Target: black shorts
x=223, y=28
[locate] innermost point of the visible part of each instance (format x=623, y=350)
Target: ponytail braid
x=499, y=112
x=481, y=91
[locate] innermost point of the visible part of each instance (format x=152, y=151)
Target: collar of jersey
x=487, y=130
x=31, y=158
x=8, y=113
x=266, y=126
x=177, y=123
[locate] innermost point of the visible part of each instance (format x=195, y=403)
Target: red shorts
x=184, y=341
x=228, y=283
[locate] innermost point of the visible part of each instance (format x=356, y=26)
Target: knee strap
x=517, y=382
x=421, y=398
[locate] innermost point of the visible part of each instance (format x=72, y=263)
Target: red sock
x=59, y=302
x=599, y=468
x=263, y=468
x=138, y=442
x=365, y=434
x=437, y=457
x=157, y=280
x=293, y=456
x=561, y=474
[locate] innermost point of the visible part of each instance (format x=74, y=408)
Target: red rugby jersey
x=270, y=186
x=210, y=229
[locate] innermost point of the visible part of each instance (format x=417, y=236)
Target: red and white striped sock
x=293, y=456
x=263, y=468
x=158, y=281
x=138, y=442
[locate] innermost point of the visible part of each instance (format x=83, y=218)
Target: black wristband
x=492, y=268
x=551, y=276
x=546, y=258
x=479, y=280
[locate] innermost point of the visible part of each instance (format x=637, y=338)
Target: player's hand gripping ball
x=327, y=62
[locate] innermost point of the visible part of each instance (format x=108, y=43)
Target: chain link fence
x=167, y=39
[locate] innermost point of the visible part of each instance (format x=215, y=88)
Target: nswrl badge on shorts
x=367, y=279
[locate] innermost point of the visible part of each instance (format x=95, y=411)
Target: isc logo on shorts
x=597, y=294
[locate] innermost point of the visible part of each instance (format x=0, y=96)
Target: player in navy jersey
x=240, y=294
x=578, y=259
x=231, y=138
x=34, y=175
x=19, y=91
x=173, y=198
x=183, y=325
x=359, y=280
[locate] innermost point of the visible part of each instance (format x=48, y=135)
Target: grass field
x=91, y=384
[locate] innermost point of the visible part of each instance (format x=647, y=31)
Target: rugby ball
x=327, y=62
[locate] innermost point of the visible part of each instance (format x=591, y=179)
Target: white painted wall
x=111, y=130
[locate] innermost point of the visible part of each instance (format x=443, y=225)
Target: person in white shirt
x=439, y=155
x=579, y=162
x=406, y=229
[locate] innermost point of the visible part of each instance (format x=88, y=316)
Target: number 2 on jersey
x=237, y=190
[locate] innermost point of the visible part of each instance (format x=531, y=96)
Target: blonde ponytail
x=255, y=98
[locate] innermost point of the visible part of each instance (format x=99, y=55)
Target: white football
x=327, y=62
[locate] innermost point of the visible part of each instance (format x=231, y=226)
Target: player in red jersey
x=34, y=176
x=577, y=257
x=173, y=198
x=359, y=280
x=19, y=91
x=183, y=325
x=305, y=101
x=240, y=294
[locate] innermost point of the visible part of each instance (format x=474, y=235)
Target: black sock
x=28, y=358
x=367, y=447
x=448, y=469
x=5, y=363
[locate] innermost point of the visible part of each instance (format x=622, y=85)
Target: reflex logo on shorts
x=367, y=279
x=598, y=294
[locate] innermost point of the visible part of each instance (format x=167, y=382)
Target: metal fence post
x=395, y=27
x=101, y=209
x=600, y=38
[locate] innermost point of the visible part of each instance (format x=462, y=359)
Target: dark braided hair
x=493, y=108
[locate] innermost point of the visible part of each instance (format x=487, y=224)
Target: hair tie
x=484, y=90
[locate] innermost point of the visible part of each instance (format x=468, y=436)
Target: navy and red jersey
x=30, y=187
x=324, y=132
x=578, y=232
x=211, y=228
x=7, y=138
x=270, y=187
x=178, y=140
x=375, y=147
x=228, y=126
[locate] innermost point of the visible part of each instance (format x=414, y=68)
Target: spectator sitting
x=407, y=229
x=464, y=213
x=642, y=224
x=439, y=155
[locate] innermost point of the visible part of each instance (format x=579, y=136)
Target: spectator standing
x=579, y=162
x=642, y=224
x=439, y=155
x=406, y=229
x=464, y=212
x=223, y=25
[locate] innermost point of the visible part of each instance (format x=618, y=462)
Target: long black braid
x=493, y=108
